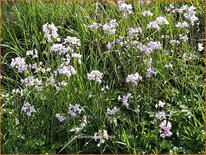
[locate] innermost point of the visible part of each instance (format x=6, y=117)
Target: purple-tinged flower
x=183, y=37
x=28, y=109
x=157, y=23
x=160, y=115
x=95, y=26
x=110, y=27
x=133, y=78
x=60, y=117
x=124, y=99
x=165, y=127
x=72, y=41
x=74, y=109
x=50, y=32
x=95, y=75
x=19, y=63
x=112, y=111
x=66, y=70
x=150, y=72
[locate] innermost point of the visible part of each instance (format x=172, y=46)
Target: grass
x=181, y=87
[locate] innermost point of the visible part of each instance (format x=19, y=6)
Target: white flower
x=74, y=109
x=125, y=8
x=110, y=27
x=110, y=44
x=57, y=48
x=95, y=26
x=160, y=115
x=134, y=32
x=124, y=99
x=72, y=41
x=76, y=55
x=95, y=75
x=165, y=127
x=183, y=37
x=133, y=78
x=112, y=111
x=101, y=136
x=67, y=70
x=60, y=117
x=31, y=81
x=160, y=104
x=182, y=24
x=147, y=13
x=150, y=72
x=149, y=47
x=50, y=32
x=200, y=47
x=16, y=91
x=168, y=65
x=33, y=53
x=19, y=63
x=16, y=121
x=28, y=109
x=158, y=22
x=104, y=88
x=190, y=15
x=173, y=42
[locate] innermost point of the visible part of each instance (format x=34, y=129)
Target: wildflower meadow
x=102, y=77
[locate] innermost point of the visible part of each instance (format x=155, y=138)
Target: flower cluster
x=112, y=111
x=150, y=72
x=200, y=47
x=124, y=99
x=183, y=37
x=149, y=47
x=32, y=53
x=150, y=69
x=101, y=136
x=72, y=41
x=31, y=81
x=147, y=13
x=160, y=115
x=190, y=15
x=133, y=33
x=157, y=23
x=188, y=12
x=165, y=125
x=125, y=8
x=165, y=128
x=28, y=109
x=95, y=26
x=160, y=104
x=16, y=121
x=19, y=63
x=182, y=24
x=95, y=75
x=50, y=31
x=110, y=27
x=174, y=42
x=134, y=78
x=74, y=110
x=60, y=117
x=66, y=70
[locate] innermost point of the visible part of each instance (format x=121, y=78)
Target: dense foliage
x=97, y=77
